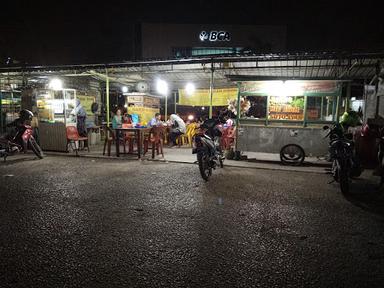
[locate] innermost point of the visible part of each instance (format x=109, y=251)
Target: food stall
x=287, y=117
x=142, y=104
x=54, y=113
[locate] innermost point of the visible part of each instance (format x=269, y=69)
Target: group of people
x=176, y=124
x=119, y=118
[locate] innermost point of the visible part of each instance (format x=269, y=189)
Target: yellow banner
x=86, y=101
x=201, y=97
x=145, y=113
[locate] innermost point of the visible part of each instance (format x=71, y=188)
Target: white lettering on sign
x=213, y=36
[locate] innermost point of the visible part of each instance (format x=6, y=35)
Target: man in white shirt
x=178, y=128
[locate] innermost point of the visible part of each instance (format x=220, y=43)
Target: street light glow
x=124, y=89
x=56, y=84
x=190, y=88
x=162, y=87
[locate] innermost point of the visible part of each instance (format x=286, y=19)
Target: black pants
x=173, y=135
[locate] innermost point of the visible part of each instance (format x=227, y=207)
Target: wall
x=272, y=139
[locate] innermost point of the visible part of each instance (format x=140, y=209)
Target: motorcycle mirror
x=325, y=127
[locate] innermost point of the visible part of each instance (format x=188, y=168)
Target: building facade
x=165, y=41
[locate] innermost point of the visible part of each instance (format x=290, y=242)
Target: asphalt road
x=77, y=222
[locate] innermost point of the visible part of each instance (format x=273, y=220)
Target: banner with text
x=201, y=97
x=145, y=113
x=86, y=101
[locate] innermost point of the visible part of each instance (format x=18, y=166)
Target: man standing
x=177, y=128
x=81, y=115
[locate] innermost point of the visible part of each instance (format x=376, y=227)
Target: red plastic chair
x=156, y=138
x=73, y=136
x=228, y=138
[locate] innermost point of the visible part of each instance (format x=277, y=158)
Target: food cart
x=54, y=112
x=287, y=117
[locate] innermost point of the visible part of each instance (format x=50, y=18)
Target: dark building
x=162, y=41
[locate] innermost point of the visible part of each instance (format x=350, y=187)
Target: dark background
x=64, y=32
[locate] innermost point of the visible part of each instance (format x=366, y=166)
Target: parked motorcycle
x=206, y=146
x=21, y=138
x=345, y=164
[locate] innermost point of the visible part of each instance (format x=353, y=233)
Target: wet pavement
x=82, y=222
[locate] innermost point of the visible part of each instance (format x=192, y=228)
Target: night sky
x=65, y=32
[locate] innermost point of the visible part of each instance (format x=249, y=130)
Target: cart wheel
x=292, y=154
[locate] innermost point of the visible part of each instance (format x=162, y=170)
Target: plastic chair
x=191, y=132
x=228, y=138
x=156, y=139
x=130, y=138
x=73, y=137
x=109, y=139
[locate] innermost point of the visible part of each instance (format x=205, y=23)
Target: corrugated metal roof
x=226, y=69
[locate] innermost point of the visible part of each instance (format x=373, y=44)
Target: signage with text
x=213, y=36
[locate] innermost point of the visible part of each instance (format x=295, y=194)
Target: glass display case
x=56, y=106
x=10, y=105
x=291, y=102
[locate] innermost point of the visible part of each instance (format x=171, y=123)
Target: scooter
x=21, y=140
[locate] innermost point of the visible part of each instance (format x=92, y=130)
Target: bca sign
x=213, y=36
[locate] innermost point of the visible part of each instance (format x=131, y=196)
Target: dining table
x=139, y=132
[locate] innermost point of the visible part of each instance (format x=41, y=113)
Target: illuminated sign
x=213, y=36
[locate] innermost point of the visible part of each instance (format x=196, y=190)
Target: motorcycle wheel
x=292, y=154
x=205, y=169
x=343, y=178
x=36, y=148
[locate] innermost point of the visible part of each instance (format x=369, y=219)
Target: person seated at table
x=177, y=128
x=155, y=121
x=117, y=120
x=127, y=119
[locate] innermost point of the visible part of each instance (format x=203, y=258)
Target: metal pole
x=175, y=100
x=166, y=108
x=211, y=92
x=1, y=110
x=305, y=111
x=267, y=110
x=65, y=110
x=107, y=94
x=237, y=116
x=347, y=97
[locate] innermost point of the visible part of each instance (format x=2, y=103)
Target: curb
x=278, y=166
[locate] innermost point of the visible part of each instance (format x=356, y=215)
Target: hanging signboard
x=86, y=101
x=145, y=113
x=201, y=97
x=288, y=88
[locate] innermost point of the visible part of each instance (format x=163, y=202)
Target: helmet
x=25, y=115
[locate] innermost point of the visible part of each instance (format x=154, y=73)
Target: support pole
x=175, y=94
x=237, y=117
x=1, y=110
x=107, y=94
x=211, y=92
x=166, y=107
x=347, y=97
x=305, y=111
x=322, y=108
